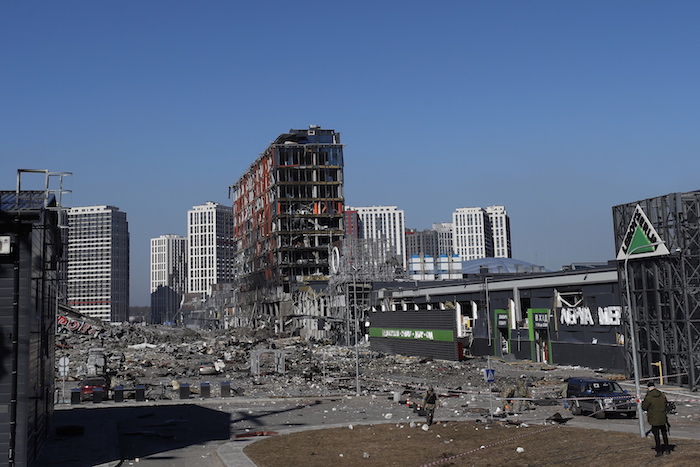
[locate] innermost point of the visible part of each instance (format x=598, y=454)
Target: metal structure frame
x=665, y=290
x=358, y=263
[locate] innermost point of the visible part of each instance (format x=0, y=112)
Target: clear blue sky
x=557, y=110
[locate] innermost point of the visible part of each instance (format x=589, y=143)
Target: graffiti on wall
x=582, y=316
x=68, y=324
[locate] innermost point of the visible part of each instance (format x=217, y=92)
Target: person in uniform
x=430, y=403
x=655, y=405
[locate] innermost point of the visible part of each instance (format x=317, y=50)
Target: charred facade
x=288, y=209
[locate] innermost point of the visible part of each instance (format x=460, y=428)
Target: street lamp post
x=357, y=351
x=633, y=337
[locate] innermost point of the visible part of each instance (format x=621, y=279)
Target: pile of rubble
x=162, y=357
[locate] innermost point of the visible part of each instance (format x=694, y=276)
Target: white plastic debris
x=365, y=455
x=142, y=346
x=350, y=426
x=520, y=449
x=388, y=416
x=425, y=427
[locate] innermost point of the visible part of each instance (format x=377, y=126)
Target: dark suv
x=600, y=397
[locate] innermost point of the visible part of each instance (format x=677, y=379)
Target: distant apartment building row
x=97, y=252
x=168, y=276
x=383, y=222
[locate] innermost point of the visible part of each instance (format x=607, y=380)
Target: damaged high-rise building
x=288, y=209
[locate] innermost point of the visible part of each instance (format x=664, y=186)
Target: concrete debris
x=163, y=359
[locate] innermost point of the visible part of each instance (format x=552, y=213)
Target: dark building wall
x=588, y=334
x=30, y=273
x=164, y=305
x=593, y=340
x=420, y=344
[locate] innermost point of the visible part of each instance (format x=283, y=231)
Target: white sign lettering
x=581, y=315
x=578, y=315
x=609, y=315
x=408, y=334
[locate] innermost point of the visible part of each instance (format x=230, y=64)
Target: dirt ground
x=466, y=444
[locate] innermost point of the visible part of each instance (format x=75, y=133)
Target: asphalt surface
x=212, y=432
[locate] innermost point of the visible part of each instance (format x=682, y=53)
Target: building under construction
x=288, y=209
x=658, y=244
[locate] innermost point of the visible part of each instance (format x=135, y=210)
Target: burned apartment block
x=288, y=209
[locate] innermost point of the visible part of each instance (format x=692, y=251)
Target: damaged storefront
x=570, y=317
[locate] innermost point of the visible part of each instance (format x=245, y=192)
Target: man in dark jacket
x=655, y=405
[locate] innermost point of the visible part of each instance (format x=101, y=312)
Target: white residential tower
x=168, y=276
x=210, y=246
x=481, y=233
x=384, y=222
x=98, y=262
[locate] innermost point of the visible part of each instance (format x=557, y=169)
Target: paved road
x=212, y=432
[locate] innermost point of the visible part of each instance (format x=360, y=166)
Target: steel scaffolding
x=355, y=264
x=665, y=290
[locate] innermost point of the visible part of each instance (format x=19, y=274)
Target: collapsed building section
x=288, y=209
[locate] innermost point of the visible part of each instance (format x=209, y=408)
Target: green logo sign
x=641, y=239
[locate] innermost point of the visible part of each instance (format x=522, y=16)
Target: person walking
x=654, y=404
x=429, y=404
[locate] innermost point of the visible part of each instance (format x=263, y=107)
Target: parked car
x=207, y=368
x=88, y=385
x=599, y=397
